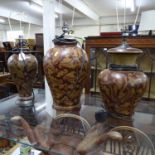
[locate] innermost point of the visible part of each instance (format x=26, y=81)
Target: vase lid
x=124, y=48
x=65, y=38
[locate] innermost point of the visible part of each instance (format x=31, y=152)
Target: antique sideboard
x=96, y=48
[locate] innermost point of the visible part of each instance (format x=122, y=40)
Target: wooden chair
x=61, y=135
x=121, y=140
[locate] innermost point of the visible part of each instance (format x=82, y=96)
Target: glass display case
x=38, y=121
x=98, y=62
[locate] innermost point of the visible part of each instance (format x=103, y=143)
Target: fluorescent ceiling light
x=39, y=9
x=2, y=20
x=83, y=8
x=58, y=10
x=58, y=7
x=36, y=8
x=129, y=4
x=39, y=2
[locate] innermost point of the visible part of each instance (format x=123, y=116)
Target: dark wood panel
x=39, y=42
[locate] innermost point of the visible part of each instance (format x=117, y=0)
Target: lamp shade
x=147, y=21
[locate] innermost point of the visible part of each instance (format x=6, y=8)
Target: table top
x=143, y=118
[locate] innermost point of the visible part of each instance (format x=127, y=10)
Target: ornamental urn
x=23, y=67
x=122, y=85
x=65, y=67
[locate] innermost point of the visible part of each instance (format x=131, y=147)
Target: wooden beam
x=28, y=19
x=56, y=6
x=83, y=8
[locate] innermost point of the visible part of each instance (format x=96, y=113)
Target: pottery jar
x=23, y=67
x=65, y=67
x=122, y=85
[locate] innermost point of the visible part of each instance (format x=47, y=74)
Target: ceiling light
x=58, y=7
x=58, y=10
x=39, y=2
x=83, y=8
x=129, y=4
x=36, y=8
x=2, y=20
x=39, y=9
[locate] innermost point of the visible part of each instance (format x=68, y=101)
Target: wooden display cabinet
x=96, y=48
x=40, y=55
x=39, y=42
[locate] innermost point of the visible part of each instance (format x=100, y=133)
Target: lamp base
x=23, y=103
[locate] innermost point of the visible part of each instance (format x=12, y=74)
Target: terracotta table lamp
x=23, y=68
x=65, y=67
x=122, y=85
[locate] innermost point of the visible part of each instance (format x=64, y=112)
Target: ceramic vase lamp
x=65, y=67
x=122, y=85
x=23, y=68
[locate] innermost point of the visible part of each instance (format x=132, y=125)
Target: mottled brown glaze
x=122, y=85
x=65, y=68
x=23, y=73
x=121, y=90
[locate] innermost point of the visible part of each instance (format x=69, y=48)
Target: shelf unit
x=96, y=48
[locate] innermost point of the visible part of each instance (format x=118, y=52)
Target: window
x=13, y=35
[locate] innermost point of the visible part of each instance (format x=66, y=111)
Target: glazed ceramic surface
x=23, y=69
x=121, y=90
x=122, y=85
x=65, y=68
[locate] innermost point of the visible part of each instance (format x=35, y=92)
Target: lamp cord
x=118, y=25
x=20, y=20
x=73, y=17
x=117, y=15
x=28, y=32
x=61, y=15
x=139, y=6
x=20, y=23
x=10, y=26
x=124, y=14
